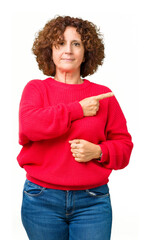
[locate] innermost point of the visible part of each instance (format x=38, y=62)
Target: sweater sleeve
x=40, y=123
x=118, y=145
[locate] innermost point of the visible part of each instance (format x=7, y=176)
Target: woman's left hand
x=84, y=151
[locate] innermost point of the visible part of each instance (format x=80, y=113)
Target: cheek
x=81, y=55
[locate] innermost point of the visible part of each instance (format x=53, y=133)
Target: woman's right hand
x=90, y=105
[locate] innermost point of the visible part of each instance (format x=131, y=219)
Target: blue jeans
x=49, y=214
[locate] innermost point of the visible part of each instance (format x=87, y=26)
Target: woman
x=73, y=134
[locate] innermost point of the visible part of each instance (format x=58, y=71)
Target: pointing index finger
x=104, y=95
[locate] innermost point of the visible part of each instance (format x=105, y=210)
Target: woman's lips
x=67, y=59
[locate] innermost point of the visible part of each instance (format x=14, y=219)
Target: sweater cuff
x=105, y=153
x=75, y=110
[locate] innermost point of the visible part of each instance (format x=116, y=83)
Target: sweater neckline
x=85, y=84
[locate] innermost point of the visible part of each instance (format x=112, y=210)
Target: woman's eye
x=77, y=44
x=61, y=43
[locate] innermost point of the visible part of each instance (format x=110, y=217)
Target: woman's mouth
x=67, y=59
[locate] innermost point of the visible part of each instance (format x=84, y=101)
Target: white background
x=124, y=25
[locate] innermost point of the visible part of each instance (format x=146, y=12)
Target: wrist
x=98, y=152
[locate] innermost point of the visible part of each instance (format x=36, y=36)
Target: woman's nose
x=68, y=48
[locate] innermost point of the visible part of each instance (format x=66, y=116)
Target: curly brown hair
x=52, y=33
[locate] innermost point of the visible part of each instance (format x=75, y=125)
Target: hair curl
x=53, y=33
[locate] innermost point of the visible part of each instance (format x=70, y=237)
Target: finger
x=78, y=159
x=75, y=141
x=74, y=151
x=76, y=155
x=104, y=95
x=74, y=146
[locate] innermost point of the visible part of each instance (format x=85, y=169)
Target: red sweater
x=50, y=115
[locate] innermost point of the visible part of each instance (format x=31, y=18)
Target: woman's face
x=69, y=54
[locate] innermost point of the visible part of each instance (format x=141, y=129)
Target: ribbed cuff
x=75, y=110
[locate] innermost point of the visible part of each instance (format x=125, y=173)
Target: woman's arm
x=117, y=148
x=40, y=123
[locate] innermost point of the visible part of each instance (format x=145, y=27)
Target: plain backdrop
x=124, y=27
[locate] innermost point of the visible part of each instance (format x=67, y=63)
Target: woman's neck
x=69, y=78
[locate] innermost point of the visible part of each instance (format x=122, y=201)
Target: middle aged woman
x=73, y=134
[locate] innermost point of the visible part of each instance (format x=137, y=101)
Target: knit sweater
x=50, y=115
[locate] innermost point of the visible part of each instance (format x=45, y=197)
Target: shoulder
x=36, y=83
x=100, y=87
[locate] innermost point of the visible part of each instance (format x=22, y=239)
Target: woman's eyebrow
x=74, y=40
